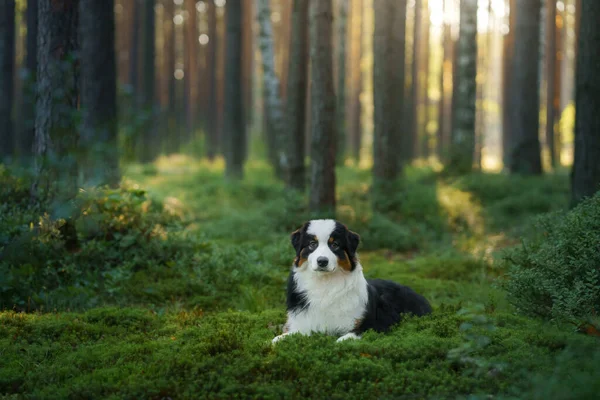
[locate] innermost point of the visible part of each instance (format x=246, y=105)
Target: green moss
x=177, y=290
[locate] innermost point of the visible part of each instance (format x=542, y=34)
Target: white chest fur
x=335, y=301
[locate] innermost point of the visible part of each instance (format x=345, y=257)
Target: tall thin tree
x=98, y=92
x=323, y=143
x=464, y=104
x=274, y=108
x=7, y=66
x=508, y=53
x=525, y=98
x=212, y=145
x=56, y=138
x=297, y=91
x=551, y=64
x=235, y=132
x=388, y=92
x=28, y=101
x=149, y=139
x=340, y=109
x=586, y=168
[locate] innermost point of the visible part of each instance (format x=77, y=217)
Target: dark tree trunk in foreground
x=148, y=138
x=297, y=91
x=356, y=78
x=28, y=104
x=462, y=146
x=323, y=141
x=586, y=165
x=7, y=67
x=212, y=140
x=234, y=122
x=525, y=155
x=388, y=92
x=56, y=138
x=99, y=93
x=411, y=139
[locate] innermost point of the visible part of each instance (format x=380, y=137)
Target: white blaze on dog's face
x=325, y=246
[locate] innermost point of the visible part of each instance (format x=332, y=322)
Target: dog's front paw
x=280, y=337
x=347, y=336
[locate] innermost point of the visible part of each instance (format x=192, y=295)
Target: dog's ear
x=296, y=237
x=353, y=241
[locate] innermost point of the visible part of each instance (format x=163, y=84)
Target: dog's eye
x=335, y=245
x=313, y=244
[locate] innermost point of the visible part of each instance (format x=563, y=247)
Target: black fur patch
x=296, y=301
x=300, y=240
x=348, y=243
x=388, y=301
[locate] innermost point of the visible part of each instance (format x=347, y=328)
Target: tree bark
x=551, y=58
x=388, y=92
x=98, y=93
x=149, y=139
x=340, y=108
x=212, y=145
x=508, y=50
x=297, y=91
x=355, y=105
x=56, y=139
x=323, y=140
x=274, y=108
x=425, y=53
x=7, y=67
x=464, y=105
x=525, y=98
x=134, y=52
x=191, y=66
x=412, y=137
x=234, y=123
x=586, y=168
x=28, y=104
x=173, y=143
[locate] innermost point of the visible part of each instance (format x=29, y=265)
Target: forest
x=156, y=155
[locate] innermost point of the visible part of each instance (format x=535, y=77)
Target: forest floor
x=188, y=309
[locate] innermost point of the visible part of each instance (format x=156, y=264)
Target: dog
x=327, y=291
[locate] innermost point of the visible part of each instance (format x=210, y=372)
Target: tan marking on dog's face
x=344, y=263
x=331, y=239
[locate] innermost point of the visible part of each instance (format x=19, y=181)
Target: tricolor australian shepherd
x=328, y=293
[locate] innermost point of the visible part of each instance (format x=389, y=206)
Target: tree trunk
x=412, y=137
x=586, y=168
x=388, y=92
x=508, y=50
x=173, y=142
x=446, y=40
x=340, y=108
x=234, y=123
x=323, y=139
x=134, y=52
x=551, y=58
x=425, y=51
x=297, y=91
x=274, y=108
x=98, y=93
x=356, y=79
x=149, y=139
x=190, y=68
x=7, y=67
x=212, y=143
x=525, y=98
x=56, y=139
x=464, y=107
x=28, y=104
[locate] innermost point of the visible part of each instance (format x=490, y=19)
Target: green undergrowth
x=173, y=285
x=135, y=353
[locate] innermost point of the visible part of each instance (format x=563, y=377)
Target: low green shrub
x=557, y=274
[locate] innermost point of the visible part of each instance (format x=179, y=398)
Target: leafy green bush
x=557, y=274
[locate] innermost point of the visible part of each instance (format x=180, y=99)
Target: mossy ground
x=195, y=318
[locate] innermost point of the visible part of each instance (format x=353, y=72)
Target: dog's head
x=325, y=245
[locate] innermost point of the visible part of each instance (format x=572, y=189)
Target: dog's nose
x=322, y=261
